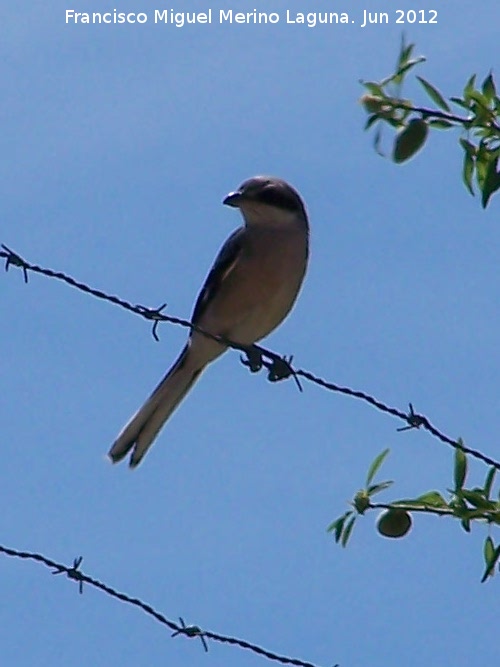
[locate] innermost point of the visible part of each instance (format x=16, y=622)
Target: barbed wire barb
x=278, y=367
x=414, y=420
x=192, y=631
x=72, y=572
x=14, y=260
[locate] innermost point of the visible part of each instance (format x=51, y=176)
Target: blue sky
x=118, y=144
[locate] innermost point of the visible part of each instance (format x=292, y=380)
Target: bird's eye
x=279, y=198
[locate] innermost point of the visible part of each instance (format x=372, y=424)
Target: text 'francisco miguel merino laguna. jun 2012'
x=170, y=17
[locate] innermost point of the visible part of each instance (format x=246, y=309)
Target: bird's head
x=265, y=198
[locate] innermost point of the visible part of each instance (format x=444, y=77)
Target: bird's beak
x=233, y=199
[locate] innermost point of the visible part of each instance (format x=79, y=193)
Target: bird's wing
x=224, y=263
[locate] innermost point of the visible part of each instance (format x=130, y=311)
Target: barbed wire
x=278, y=366
x=77, y=575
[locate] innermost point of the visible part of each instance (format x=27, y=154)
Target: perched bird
x=250, y=289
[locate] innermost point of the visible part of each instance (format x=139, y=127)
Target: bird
x=250, y=289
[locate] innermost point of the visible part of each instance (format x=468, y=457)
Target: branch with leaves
x=480, y=126
x=467, y=505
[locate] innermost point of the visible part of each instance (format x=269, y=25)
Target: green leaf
x=460, y=102
x=488, y=134
x=337, y=526
x=333, y=525
x=479, y=98
x=404, y=63
x=375, y=465
x=482, y=163
x=491, y=556
x=374, y=88
x=348, y=530
x=377, y=488
x=371, y=119
x=469, y=87
x=460, y=466
x=481, y=116
x=491, y=182
x=488, y=484
x=377, y=140
x=468, y=172
x=405, y=51
x=466, y=525
x=468, y=147
x=432, y=499
x=488, y=550
x=458, y=505
x=440, y=124
x=476, y=499
x=408, y=503
x=488, y=88
x=407, y=67
x=434, y=94
x=395, y=122
x=460, y=508
x=410, y=140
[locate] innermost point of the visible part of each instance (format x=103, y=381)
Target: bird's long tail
x=138, y=435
